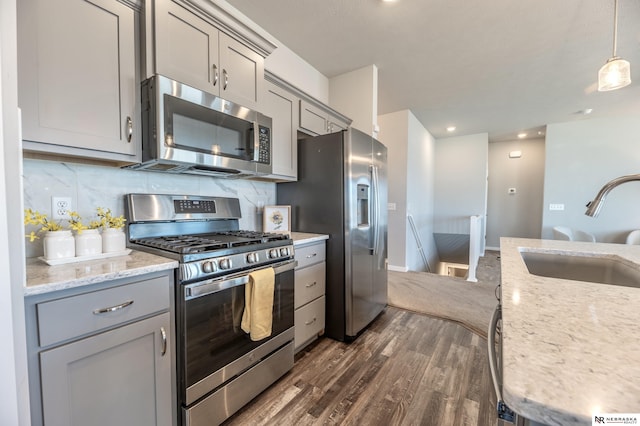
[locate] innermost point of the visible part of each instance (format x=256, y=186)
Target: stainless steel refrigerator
x=342, y=191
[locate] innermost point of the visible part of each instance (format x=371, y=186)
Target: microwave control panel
x=264, y=149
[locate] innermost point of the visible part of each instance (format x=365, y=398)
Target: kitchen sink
x=595, y=269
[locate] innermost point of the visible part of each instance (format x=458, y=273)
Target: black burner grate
x=188, y=244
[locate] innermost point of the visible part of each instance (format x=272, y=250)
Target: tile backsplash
x=99, y=186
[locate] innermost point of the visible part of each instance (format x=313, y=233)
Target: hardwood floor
x=405, y=369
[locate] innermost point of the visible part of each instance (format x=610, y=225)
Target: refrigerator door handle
x=376, y=208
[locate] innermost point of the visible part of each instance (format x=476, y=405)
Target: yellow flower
x=107, y=220
x=33, y=217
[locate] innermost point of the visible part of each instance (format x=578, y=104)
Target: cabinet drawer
x=309, y=322
x=308, y=255
x=73, y=316
x=310, y=283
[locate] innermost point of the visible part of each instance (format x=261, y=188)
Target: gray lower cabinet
x=78, y=78
x=310, y=283
x=103, y=355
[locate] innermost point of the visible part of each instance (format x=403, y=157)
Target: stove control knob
x=252, y=257
x=209, y=267
x=225, y=263
x=273, y=253
x=284, y=251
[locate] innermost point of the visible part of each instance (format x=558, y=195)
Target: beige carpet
x=470, y=304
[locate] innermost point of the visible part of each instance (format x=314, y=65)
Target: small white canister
x=88, y=242
x=59, y=245
x=113, y=240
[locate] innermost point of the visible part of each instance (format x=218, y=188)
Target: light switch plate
x=557, y=207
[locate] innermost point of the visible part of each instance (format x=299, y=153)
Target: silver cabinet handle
x=309, y=256
x=215, y=74
x=164, y=341
x=113, y=308
x=226, y=79
x=311, y=285
x=129, y=129
x=310, y=322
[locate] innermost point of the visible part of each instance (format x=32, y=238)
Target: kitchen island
x=570, y=349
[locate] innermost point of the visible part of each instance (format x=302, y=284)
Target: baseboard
x=492, y=248
x=397, y=268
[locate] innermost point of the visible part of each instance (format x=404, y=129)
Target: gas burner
x=262, y=236
x=183, y=244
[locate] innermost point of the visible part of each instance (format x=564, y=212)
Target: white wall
x=14, y=389
x=393, y=134
x=284, y=63
x=461, y=182
x=355, y=94
x=421, y=194
x=519, y=214
x=581, y=157
x=410, y=156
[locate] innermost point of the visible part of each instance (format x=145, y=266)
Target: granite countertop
x=42, y=278
x=305, y=238
x=571, y=349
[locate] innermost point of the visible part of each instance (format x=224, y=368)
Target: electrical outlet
x=60, y=207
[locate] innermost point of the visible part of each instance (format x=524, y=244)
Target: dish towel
x=257, y=318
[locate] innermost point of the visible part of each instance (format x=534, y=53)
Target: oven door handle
x=284, y=267
x=195, y=290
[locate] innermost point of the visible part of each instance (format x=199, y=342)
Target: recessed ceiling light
x=522, y=135
x=540, y=133
x=451, y=129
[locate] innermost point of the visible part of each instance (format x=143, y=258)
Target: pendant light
x=616, y=73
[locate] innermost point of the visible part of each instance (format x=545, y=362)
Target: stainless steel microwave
x=186, y=130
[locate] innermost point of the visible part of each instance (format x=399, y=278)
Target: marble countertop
x=305, y=238
x=570, y=348
x=42, y=278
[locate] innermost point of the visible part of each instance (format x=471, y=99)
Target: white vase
x=59, y=245
x=88, y=243
x=113, y=240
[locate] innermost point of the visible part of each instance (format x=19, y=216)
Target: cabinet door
x=242, y=73
x=313, y=119
x=309, y=322
x=186, y=47
x=77, y=74
x=336, y=126
x=120, y=377
x=282, y=107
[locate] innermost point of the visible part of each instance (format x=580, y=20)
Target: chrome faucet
x=593, y=207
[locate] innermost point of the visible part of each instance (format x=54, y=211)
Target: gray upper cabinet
x=77, y=78
x=320, y=121
x=191, y=50
x=282, y=107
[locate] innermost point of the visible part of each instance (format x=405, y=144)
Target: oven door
x=213, y=347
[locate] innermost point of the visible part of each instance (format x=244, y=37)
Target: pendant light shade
x=616, y=73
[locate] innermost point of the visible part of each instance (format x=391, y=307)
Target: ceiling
x=498, y=66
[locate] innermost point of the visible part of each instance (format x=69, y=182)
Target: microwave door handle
x=256, y=141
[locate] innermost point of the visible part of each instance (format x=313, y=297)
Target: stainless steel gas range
x=219, y=367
